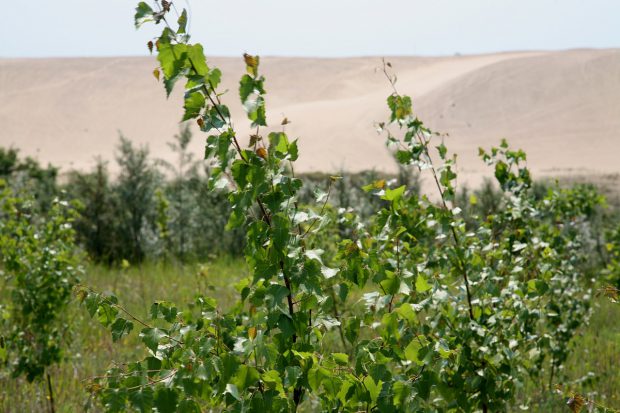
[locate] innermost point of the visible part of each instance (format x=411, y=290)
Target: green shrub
x=39, y=270
x=410, y=310
x=96, y=225
x=27, y=175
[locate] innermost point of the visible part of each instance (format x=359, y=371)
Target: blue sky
x=332, y=28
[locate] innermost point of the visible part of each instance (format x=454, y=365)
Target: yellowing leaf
x=251, y=63
x=156, y=74
x=252, y=333
x=576, y=403
x=376, y=185
x=262, y=152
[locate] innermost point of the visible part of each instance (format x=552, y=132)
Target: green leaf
x=412, y=350
x=114, y=399
x=406, y=311
x=293, y=151
x=394, y=195
x=214, y=78
x=193, y=105
x=142, y=399
x=401, y=391
x=166, y=400
x=539, y=287
x=341, y=358
x=173, y=59
x=316, y=375
x=197, y=59
x=120, y=328
x=279, y=141
x=352, y=329
x=285, y=324
x=255, y=108
x=273, y=381
x=151, y=337
x=246, y=377
x=403, y=157
x=246, y=87
x=144, y=13
x=400, y=107
x=182, y=21
x=390, y=285
x=421, y=285
x=343, y=394
x=188, y=406
x=372, y=387
x=233, y=391
x=292, y=374
x=106, y=313
x=153, y=365
x=280, y=233
x=92, y=303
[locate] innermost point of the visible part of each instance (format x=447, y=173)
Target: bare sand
x=563, y=108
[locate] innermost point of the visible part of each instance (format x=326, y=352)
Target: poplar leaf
x=182, y=21
x=251, y=63
x=151, y=337
x=198, y=60
x=144, y=13
x=193, y=105
x=166, y=400
x=262, y=152
x=421, y=285
x=120, y=328
x=412, y=350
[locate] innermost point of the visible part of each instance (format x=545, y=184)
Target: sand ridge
x=563, y=107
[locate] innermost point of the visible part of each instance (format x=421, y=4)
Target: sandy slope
x=562, y=107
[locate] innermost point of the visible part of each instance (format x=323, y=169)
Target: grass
x=90, y=346
x=592, y=368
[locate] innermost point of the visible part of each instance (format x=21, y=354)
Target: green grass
x=91, y=349
x=592, y=368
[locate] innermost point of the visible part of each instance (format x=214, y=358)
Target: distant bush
x=97, y=225
x=135, y=189
x=28, y=175
x=196, y=216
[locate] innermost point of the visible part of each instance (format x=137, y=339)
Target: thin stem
x=337, y=317
x=130, y=315
x=455, y=236
x=397, y=272
x=51, y=393
x=297, y=392
x=552, y=372
x=329, y=190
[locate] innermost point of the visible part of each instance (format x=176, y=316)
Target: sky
x=326, y=28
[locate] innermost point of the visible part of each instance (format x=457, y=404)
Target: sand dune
x=563, y=108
